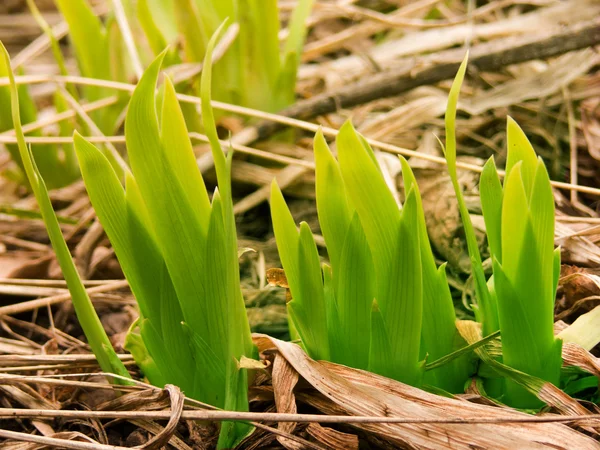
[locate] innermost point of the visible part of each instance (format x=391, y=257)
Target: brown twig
x=281, y=417
x=43, y=302
x=395, y=82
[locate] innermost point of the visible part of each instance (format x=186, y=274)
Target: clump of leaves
x=383, y=304
x=177, y=249
x=100, y=54
x=519, y=298
x=254, y=71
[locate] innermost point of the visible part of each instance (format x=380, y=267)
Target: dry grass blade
x=53, y=300
x=62, y=440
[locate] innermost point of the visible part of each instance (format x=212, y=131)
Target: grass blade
x=491, y=193
x=97, y=338
x=123, y=216
x=356, y=289
x=370, y=195
x=439, y=334
x=334, y=210
x=486, y=310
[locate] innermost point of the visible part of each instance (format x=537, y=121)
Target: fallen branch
x=398, y=81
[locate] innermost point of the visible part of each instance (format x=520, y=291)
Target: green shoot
x=381, y=266
x=97, y=338
x=519, y=218
x=177, y=249
x=485, y=308
x=95, y=52
x=524, y=271
x=253, y=72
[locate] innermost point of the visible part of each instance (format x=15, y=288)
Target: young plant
x=254, y=71
x=90, y=323
x=100, y=54
x=519, y=298
x=177, y=249
x=57, y=163
x=382, y=305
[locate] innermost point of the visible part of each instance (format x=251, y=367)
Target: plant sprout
x=177, y=249
x=382, y=305
x=519, y=219
x=255, y=71
x=90, y=323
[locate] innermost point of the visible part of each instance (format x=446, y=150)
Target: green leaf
x=585, y=331
x=233, y=433
x=208, y=118
x=521, y=384
x=439, y=334
x=515, y=218
x=370, y=196
x=335, y=212
x=179, y=152
x=285, y=85
x=486, y=309
x=300, y=260
x=286, y=236
x=380, y=360
x=55, y=171
x=166, y=11
x=556, y=270
x=490, y=189
x=400, y=296
x=541, y=205
x=123, y=216
x=527, y=344
x=171, y=213
x=54, y=45
x=311, y=296
x=259, y=64
x=92, y=327
x=189, y=24
x=196, y=241
x=212, y=367
x=134, y=344
x=356, y=289
x=88, y=38
x=153, y=33
x=239, y=334
x=297, y=29
x=450, y=117
x=334, y=326
x=520, y=150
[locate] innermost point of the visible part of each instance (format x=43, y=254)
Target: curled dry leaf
x=284, y=380
x=276, y=277
x=581, y=289
x=331, y=438
x=343, y=390
x=574, y=355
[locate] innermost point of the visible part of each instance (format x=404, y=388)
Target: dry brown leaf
x=581, y=289
x=357, y=392
x=284, y=379
x=537, y=84
x=574, y=355
x=331, y=438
